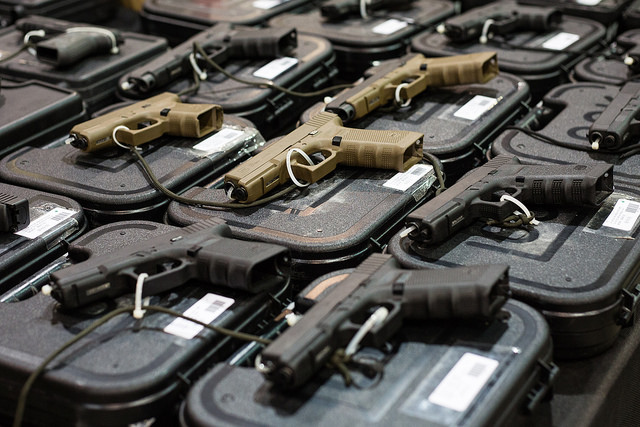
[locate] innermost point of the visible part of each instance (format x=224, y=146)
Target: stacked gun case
x=458, y=122
x=542, y=58
x=359, y=42
x=127, y=371
x=437, y=373
x=609, y=67
x=564, y=348
x=110, y=185
x=309, y=67
x=87, y=10
x=23, y=123
x=95, y=77
x=53, y=221
x=331, y=224
x=177, y=20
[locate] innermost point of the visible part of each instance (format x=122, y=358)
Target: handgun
x=341, y=9
x=619, y=121
x=503, y=17
x=14, y=213
x=204, y=251
x=409, y=76
x=324, y=134
x=479, y=194
x=221, y=42
x=145, y=121
x=472, y=292
x=61, y=43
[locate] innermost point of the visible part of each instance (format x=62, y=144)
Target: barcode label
x=561, y=41
x=45, y=222
x=403, y=180
x=206, y=310
x=463, y=382
x=475, y=107
x=267, y=4
x=221, y=141
x=389, y=26
x=624, y=215
x=276, y=67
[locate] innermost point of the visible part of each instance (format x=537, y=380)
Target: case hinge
x=630, y=300
x=542, y=389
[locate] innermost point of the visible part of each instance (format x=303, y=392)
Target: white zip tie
x=375, y=319
x=519, y=204
x=201, y=74
x=399, y=100
x=103, y=31
x=138, y=312
x=27, y=37
x=485, y=36
x=404, y=233
x=115, y=140
x=363, y=9
x=307, y=158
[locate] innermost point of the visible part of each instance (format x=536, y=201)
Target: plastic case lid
x=111, y=181
x=608, y=70
x=370, y=33
x=33, y=113
x=92, y=77
x=520, y=61
x=452, y=119
x=128, y=370
x=239, y=396
x=247, y=12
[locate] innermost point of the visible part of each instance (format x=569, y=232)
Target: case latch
x=630, y=299
x=542, y=389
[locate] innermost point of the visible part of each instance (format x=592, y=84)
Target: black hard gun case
x=126, y=372
x=458, y=122
x=609, y=68
x=540, y=69
x=270, y=110
x=580, y=274
x=53, y=220
x=33, y=113
x=565, y=115
x=411, y=385
x=331, y=224
x=95, y=78
x=178, y=20
x=605, y=11
x=74, y=10
x=111, y=185
x=358, y=42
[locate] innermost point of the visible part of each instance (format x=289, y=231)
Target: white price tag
x=463, y=382
x=477, y=106
x=403, y=180
x=267, y=4
x=389, y=26
x=221, y=141
x=561, y=41
x=45, y=222
x=588, y=2
x=206, y=310
x=624, y=215
x=276, y=67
